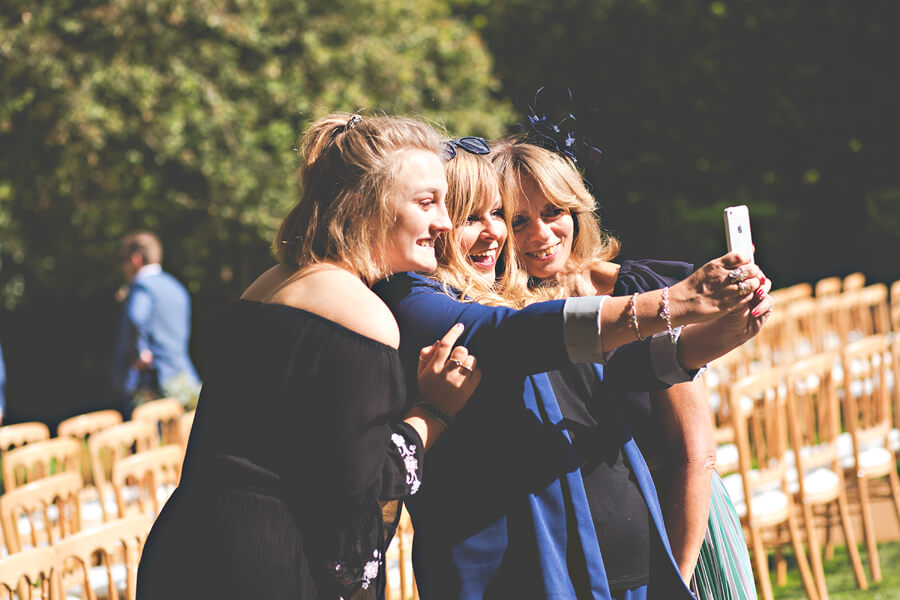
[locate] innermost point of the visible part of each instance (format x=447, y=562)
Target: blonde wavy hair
x=349, y=170
x=472, y=185
x=518, y=162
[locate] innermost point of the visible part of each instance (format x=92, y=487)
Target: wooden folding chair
x=868, y=311
x=147, y=479
x=833, y=321
x=817, y=478
x=19, y=434
x=45, y=511
x=31, y=574
x=853, y=282
x=81, y=427
x=828, y=286
x=118, y=545
x=163, y=414
x=40, y=459
x=759, y=489
x=868, y=420
x=109, y=445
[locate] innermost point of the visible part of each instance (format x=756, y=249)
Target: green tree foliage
x=788, y=106
x=179, y=116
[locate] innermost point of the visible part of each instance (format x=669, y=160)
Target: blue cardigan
x=502, y=492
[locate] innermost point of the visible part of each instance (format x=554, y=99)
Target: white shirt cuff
x=581, y=329
x=664, y=358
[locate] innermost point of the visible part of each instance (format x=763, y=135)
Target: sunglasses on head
x=469, y=143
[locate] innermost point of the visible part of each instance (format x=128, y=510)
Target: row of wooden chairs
x=813, y=440
x=69, y=567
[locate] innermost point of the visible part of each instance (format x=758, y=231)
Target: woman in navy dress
x=502, y=512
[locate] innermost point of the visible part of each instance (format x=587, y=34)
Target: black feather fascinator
x=566, y=136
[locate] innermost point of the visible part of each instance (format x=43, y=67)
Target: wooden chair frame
x=32, y=501
x=163, y=414
x=147, y=472
x=109, y=445
x=31, y=571
x=40, y=459
x=19, y=434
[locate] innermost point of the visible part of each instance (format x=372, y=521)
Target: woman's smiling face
x=544, y=233
x=482, y=236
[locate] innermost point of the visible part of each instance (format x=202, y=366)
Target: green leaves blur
x=179, y=116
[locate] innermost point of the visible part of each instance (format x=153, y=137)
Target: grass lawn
x=840, y=580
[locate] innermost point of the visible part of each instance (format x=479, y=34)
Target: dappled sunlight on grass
x=840, y=580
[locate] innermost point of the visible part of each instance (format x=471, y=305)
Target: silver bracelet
x=439, y=415
x=664, y=313
x=633, y=318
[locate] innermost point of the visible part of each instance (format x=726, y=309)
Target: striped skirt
x=723, y=570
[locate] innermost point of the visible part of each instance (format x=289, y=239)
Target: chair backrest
x=868, y=311
x=163, y=414
x=784, y=296
x=108, y=445
x=814, y=414
x=185, y=422
x=718, y=379
x=833, y=322
x=83, y=425
x=19, y=434
x=828, y=286
x=853, y=281
x=867, y=404
x=149, y=476
x=31, y=574
x=758, y=407
x=30, y=505
x=112, y=540
x=40, y=459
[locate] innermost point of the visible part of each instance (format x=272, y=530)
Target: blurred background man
x=151, y=352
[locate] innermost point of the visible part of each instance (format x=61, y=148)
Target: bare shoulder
x=343, y=298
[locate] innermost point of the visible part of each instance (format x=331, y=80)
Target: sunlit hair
x=472, y=186
x=518, y=163
x=349, y=170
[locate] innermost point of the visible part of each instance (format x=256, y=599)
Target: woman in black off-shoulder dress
x=304, y=443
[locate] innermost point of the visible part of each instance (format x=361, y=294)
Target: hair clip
x=469, y=143
x=352, y=122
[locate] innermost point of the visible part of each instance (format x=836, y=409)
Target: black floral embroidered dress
x=295, y=468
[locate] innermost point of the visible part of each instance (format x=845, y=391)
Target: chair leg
x=850, y=538
x=814, y=556
x=869, y=528
x=829, y=543
x=762, y=564
x=780, y=568
x=895, y=490
x=802, y=562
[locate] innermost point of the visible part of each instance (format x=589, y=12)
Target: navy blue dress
x=503, y=511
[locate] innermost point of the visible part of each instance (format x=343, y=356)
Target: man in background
x=151, y=352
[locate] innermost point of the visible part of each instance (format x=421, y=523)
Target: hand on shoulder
x=332, y=293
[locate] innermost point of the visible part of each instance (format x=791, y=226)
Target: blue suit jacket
x=499, y=498
x=156, y=316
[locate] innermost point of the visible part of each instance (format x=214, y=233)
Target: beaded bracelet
x=439, y=415
x=664, y=313
x=633, y=318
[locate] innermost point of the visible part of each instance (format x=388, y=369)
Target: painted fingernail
x=755, y=313
x=760, y=292
x=762, y=279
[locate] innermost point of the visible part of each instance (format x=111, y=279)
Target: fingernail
x=762, y=279
x=760, y=292
x=458, y=326
x=755, y=313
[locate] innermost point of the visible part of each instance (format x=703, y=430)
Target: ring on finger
x=736, y=275
x=455, y=363
x=743, y=288
x=465, y=370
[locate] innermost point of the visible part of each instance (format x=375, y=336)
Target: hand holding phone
x=737, y=230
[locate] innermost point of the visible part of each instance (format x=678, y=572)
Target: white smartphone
x=737, y=230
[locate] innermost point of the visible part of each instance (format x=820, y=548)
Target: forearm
x=683, y=411
x=702, y=343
